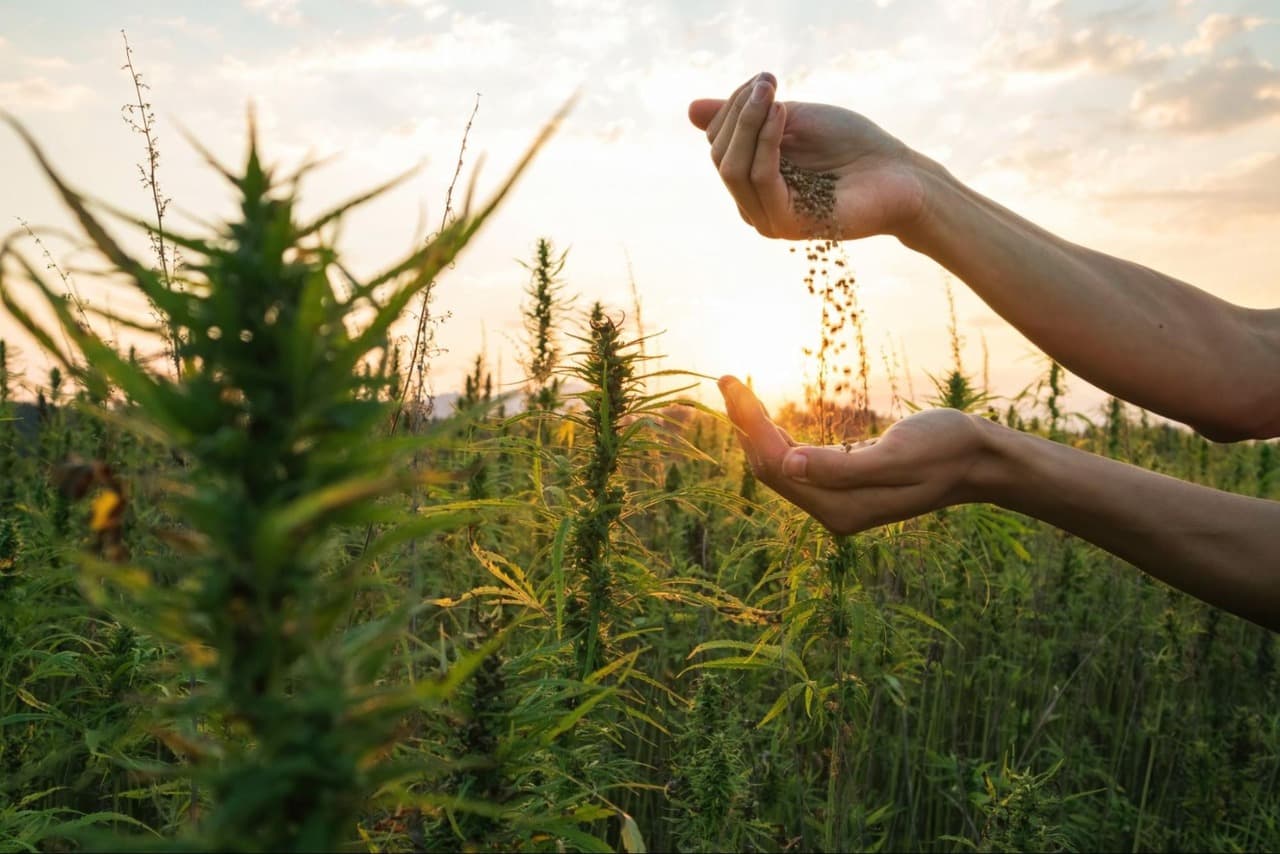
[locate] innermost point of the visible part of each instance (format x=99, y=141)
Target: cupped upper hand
x=879, y=187
x=921, y=463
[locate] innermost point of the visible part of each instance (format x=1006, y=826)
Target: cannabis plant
x=287, y=730
x=545, y=306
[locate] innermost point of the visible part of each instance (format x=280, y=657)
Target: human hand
x=930, y=460
x=879, y=182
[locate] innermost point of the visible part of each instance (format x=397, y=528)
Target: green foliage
x=546, y=303
x=608, y=367
x=477, y=387
x=286, y=724
x=957, y=391
x=1053, y=399
x=711, y=783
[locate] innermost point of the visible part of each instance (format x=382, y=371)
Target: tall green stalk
x=609, y=368
x=546, y=304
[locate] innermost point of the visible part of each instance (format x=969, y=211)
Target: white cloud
x=430, y=9
x=1215, y=97
x=283, y=12
x=48, y=63
x=593, y=6
x=1045, y=163
x=1092, y=48
x=1218, y=28
x=469, y=45
x=192, y=29
x=1247, y=187
x=40, y=93
x=596, y=33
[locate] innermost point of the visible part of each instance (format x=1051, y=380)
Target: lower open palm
x=920, y=464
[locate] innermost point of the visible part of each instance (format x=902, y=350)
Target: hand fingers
x=866, y=464
x=836, y=468
x=718, y=120
x=766, y=171
x=786, y=437
x=724, y=131
x=703, y=110
x=767, y=442
x=748, y=450
x=737, y=167
x=846, y=491
x=710, y=113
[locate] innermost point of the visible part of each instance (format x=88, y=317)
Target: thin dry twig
x=422, y=335
x=73, y=293
x=141, y=119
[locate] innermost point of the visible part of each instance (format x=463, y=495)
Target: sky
x=1148, y=129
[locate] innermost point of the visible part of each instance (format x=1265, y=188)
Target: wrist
x=939, y=193
x=1000, y=464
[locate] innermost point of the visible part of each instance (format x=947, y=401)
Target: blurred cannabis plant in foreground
x=287, y=731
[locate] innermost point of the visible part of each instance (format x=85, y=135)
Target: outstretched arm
x=1141, y=335
x=1220, y=547
x=1144, y=336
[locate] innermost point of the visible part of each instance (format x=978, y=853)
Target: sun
x=766, y=347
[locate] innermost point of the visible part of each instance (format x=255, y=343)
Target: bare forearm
x=1143, y=336
x=1220, y=547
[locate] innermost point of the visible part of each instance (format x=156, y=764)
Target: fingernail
x=759, y=92
x=795, y=464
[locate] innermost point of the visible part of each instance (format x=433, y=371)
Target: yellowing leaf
x=200, y=655
x=516, y=589
x=367, y=839
x=107, y=507
x=565, y=433
x=632, y=840
x=27, y=697
x=186, y=746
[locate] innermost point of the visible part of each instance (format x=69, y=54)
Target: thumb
x=750, y=417
x=703, y=110
x=836, y=468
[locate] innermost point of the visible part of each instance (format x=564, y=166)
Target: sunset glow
x=1148, y=132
